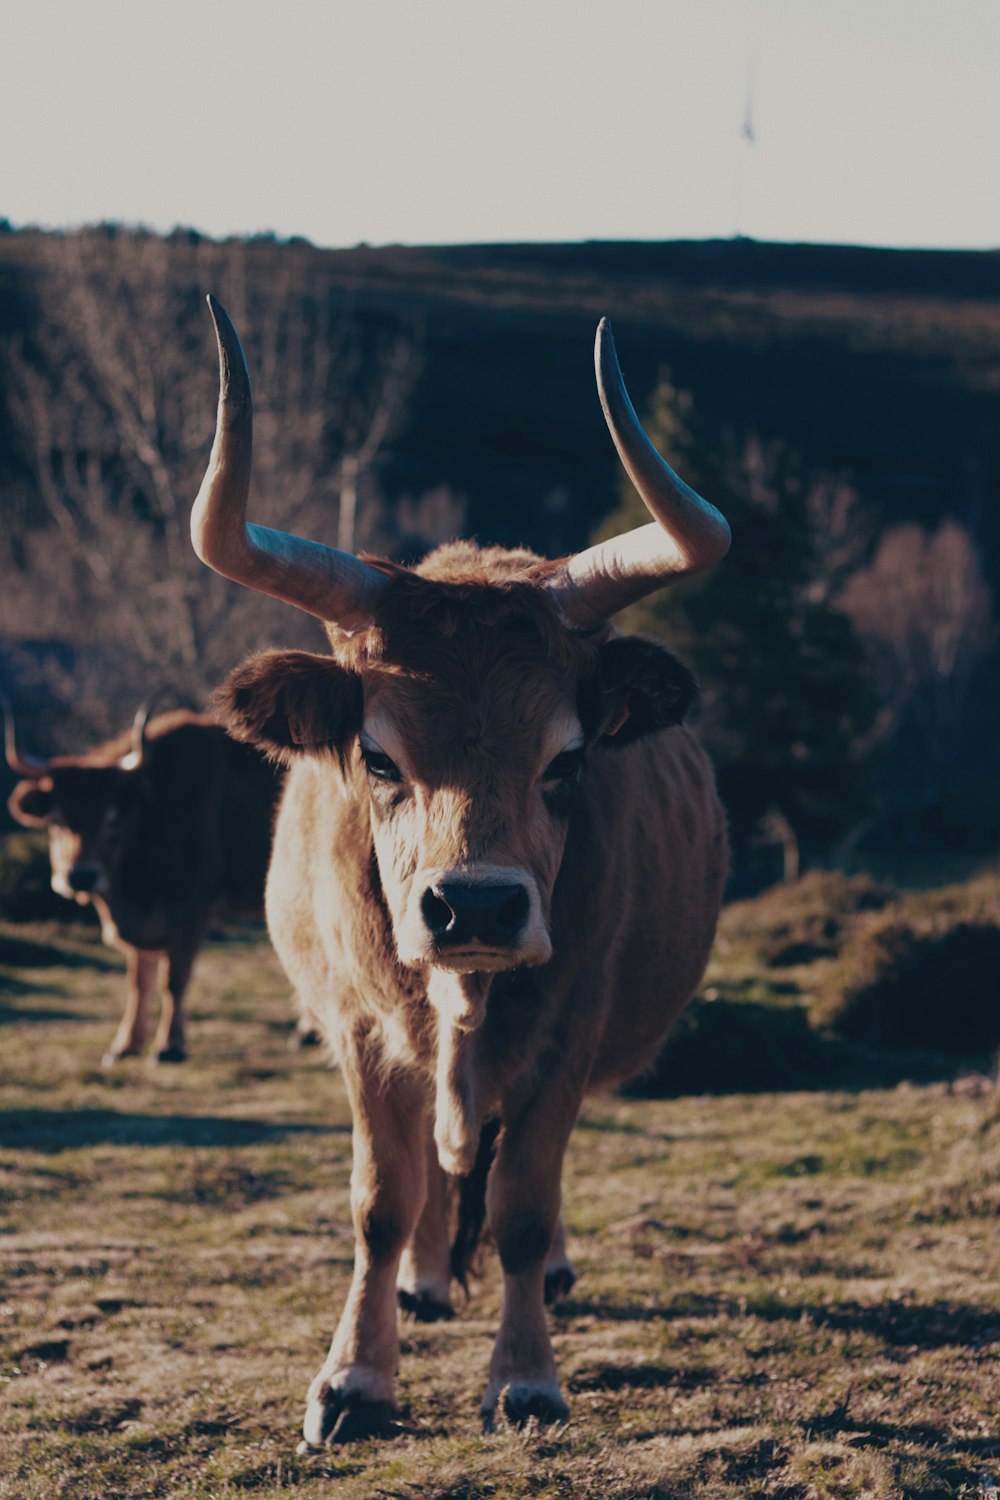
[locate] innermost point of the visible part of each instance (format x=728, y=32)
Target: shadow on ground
x=745, y=1047
x=33, y=953
x=67, y=1130
x=902, y=1327
x=9, y=1014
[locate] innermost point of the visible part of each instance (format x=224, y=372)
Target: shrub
x=907, y=986
x=737, y=1047
x=796, y=923
x=25, y=892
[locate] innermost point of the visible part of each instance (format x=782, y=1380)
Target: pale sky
x=440, y=121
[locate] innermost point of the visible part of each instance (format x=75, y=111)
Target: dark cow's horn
x=333, y=585
x=21, y=765
x=136, y=756
x=689, y=534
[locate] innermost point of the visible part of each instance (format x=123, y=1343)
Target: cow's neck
x=459, y=1001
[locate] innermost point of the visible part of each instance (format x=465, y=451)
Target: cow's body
x=157, y=847
x=497, y=869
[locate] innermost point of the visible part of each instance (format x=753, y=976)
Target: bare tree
x=113, y=399
x=925, y=612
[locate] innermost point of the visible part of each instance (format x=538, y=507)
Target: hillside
x=881, y=365
x=822, y=396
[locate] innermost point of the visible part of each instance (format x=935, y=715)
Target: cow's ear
x=31, y=802
x=644, y=688
x=291, y=703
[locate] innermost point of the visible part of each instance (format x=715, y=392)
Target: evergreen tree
x=785, y=697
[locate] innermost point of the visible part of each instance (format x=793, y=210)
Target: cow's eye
x=564, y=767
x=378, y=764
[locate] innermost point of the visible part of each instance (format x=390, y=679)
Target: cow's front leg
x=523, y=1205
x=424, y=1280
x=354, y=1393
x=169, y=1042
x=130, y=1038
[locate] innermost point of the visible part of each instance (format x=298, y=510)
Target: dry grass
x=784, y=1296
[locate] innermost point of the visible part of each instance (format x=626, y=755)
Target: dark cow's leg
x=130, y=1038
x=168, y=1044
x=424, y=1280
x=353, y=1394
x=523, y=1205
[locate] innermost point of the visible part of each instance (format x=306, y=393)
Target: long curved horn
x=688, y=533
x=329, y=584
x=21, y=765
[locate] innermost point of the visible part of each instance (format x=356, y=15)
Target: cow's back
x=246, y=812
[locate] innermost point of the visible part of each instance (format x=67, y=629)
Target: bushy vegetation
x=898, y=985
x=26, y=894
x=737, y=1046
x=796, y=923
x=864, y=567
x=838, y=980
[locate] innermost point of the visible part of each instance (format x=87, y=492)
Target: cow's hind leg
x=130, y=1038
x=353, y=1394
x=523, y=1204
x=423, y=1283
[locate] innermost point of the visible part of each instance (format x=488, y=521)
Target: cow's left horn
x=689, y=534
x=21, y=765
x=332, y=585
x=136, y=756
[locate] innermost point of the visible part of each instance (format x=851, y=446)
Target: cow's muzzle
x=471, y=918
x=460, y=913
x=84, y=879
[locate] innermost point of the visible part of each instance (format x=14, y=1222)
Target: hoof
x=424, y=1307
x=115, y=1053
x=523, y=1403
x=559, y=1283
x=174, y=1054
x=343, y=1417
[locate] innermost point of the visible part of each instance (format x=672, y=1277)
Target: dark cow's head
x=85, y=802
x=462, y=698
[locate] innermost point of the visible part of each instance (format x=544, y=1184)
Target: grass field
x=787, y=1294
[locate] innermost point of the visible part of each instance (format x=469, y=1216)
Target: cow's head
x=86, y=805
x=463, y=698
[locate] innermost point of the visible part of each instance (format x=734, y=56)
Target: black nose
x=457, y=913
x=83, y=878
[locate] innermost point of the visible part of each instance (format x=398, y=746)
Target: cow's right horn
x=332, y=585
x=21, y=765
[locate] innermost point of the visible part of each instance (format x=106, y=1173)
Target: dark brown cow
x=497, y=869
x=155, y=828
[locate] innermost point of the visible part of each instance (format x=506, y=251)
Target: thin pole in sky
x=748, y=135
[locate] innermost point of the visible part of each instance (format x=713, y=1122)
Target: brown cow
x=497, y=869
x=155, y=828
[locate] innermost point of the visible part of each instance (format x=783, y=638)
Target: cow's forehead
x=504, y=708
x=86, y=792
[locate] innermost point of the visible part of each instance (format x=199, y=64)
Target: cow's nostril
x=459, y=912
x=436, y=913
x=513, y=913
